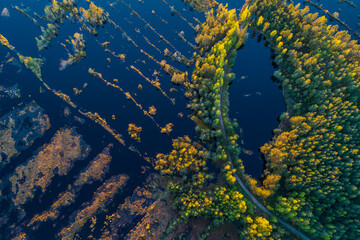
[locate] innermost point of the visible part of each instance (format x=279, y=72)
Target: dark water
x=97, y=97
x=255, y=101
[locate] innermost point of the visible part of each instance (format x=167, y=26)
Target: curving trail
x=238, y=180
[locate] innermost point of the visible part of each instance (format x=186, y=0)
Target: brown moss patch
x=40, y=169
x=19, y=129
x=95, y=170
x=101, y=198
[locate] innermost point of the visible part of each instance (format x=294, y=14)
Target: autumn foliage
x=313, y=161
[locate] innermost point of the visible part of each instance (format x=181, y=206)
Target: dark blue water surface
x=255, y=100
x=97, y=97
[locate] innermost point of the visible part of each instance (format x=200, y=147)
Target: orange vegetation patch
x=167, y=129
x=65, y=198
x=102, y=122
x=101, y=198
x=95, y=170
x=19, y=129
x=134, y=132
x=94, y=15
x=185, y=158
x=57, y=157
x=155, y=222
x=152, y=110
x=5, y=42
x=202, y=5
x=20, y=236
x=33, y=64
x=143, y=203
